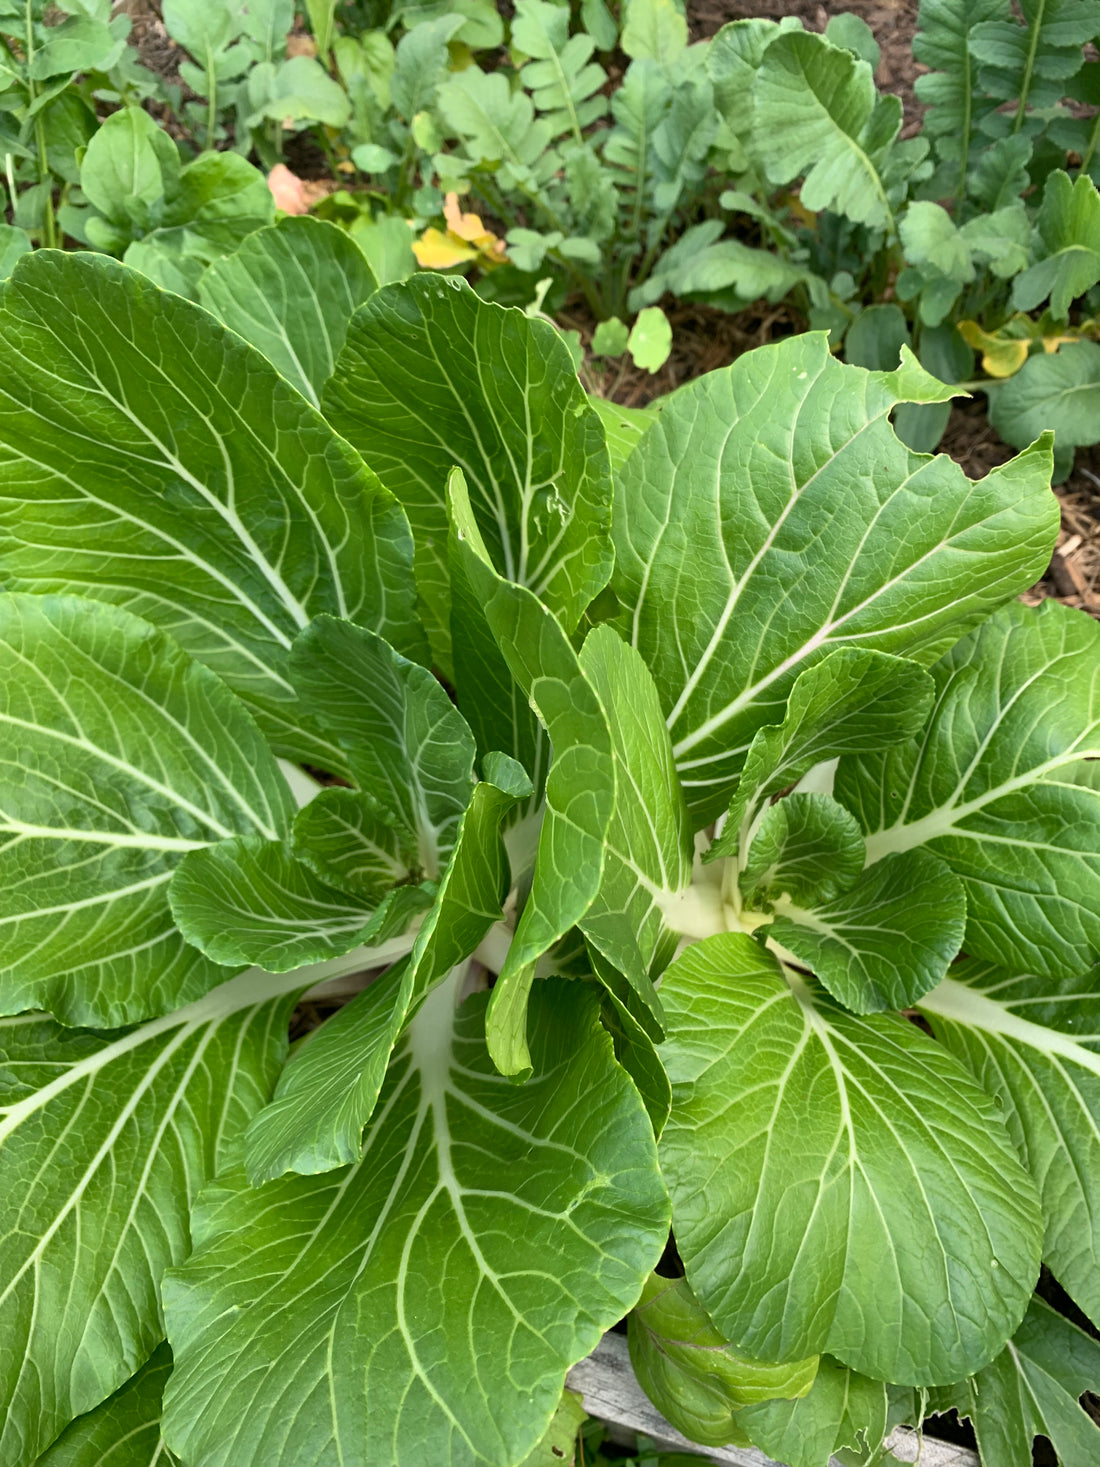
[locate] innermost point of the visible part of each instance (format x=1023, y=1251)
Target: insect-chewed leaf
x=121, y=755
x=836, y=1179
x=151, y=458
x=125, y=1430
x=1038, y=1051
x=1032, y=1389
x=488, y=1236
x=1002, y=785
x=327, y=1092
x=432, y=376
x=744, y=549
x=104, y=1143
x=842, y=1409
x=290, y=290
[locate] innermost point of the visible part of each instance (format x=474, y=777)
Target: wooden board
x=606, y=1381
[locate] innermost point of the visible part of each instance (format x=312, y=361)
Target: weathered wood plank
x=606, y=1381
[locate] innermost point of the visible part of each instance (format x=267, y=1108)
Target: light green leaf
x=347, y=840
x=580, y=786
x=884, y=942
x=955, y=103
x=727, y=273
x=150, y=458
x=889, y=1222
x=1059, y=392
x=623, y=427
x=998, y=787
x=404, y=740
x=815, y=111
x=852, y=33
x=1032, y=1389
x=125, y=1430
x=121, y=756
x=1038, y=1052
x=733, y=60
x=327, y=1092
x=1069, y=227
x=130, y=165
x=564, y=83
x=770, y=515
x=609, y=340
x=852, y=701
x=298, y=89
x=650, y=339
x=104, y=1143
x=649, y=849
x=695, y=1377
x=221, y=199
x=78, y=43
x=14, y=244
x=433, y=376
x=654, y=29
x=250, y=901
x=931, y=237
x=635, y=1051
x=291, y=290
x=498, y=128
x=806, y=847
x=439, y=1334
x=421, y=63
x=842, y=1409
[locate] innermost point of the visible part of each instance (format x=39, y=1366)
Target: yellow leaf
x=1002, y=356
x=435, y=250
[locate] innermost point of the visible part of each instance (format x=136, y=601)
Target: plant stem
x=1021, y=110
x=211, y=99
x=49, y=224
x=1090, y=151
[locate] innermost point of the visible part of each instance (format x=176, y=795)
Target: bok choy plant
x=670, y=762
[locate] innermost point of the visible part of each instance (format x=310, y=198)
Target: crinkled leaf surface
x=838, y=1183
x=151, y=458
x=125, y=1430
x=853, y=700
x=291, y=290
x=251, y=901
x=104, y=1143
x=1031, y=1390
x=344, y=838
x=431, y=377
x=580, y=787
x=807, y=848
x=403, y=739
x=120, y=756
x=999, y=787
x=885, y=941
x=649, y=850
x=489, y=1235
x=695, y=1377
x=326, y=1093
x=770, y=515
x=1038, y=1051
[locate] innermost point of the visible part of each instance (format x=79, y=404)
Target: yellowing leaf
x=435, y=250
x=466, y=239
x=1002, y=355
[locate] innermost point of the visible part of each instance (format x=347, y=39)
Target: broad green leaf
x=733, y=60
x=121, y=756
x=433, y=376
x=806, y=847
x=421, y=63
x=580, y=786
x=349, y=842
x=998, y=787
x=291, y=290
x=650, y=339
x=125, y=1430
x=326, y=1093
x=704, y=266
x=299, y=88
x=104, y=1144
x=953, y=100
x=130, y=165
x=1038, y=1052
x=250, y=901
x=888, y=1222
x=635, y=1051
x=565, y=84
x=842, y=1409
x=850, y=702
x=439, y=1333
x=14, y=244
x=745, y=549
x=653, y=29
x=885, y=941
x=1032, y=1390
x=151, y=458
x=78, y=43
x=815, y=111
x=1069, y=227
x=695, y=1377
x=498, y=129
x=1060, y=391
x=649, y=848
x=221, y=199
x=403, y=739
